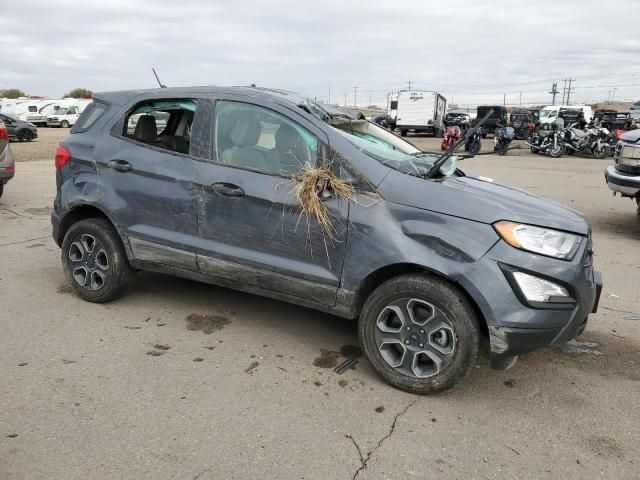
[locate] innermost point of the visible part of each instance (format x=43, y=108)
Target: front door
x=250, y=224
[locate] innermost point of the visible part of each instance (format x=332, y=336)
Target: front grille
x=618, y=151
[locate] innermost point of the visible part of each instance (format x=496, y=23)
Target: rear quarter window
x=90, y=116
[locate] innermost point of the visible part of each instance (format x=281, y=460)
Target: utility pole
x=564, y=89
x=614, y=93
x=504, y=99
x=370, y=99
x=409, y=85
x=569, y=90
x=355, y=89
x=554, y=92
x=345, y=97
x=329, y=92
x=521, y=99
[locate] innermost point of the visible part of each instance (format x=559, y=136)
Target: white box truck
x=420, y=111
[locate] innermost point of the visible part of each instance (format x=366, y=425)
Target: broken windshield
x=417, y=164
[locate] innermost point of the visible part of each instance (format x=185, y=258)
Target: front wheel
x=420, y=333
x=64, y=124
x=94, y=260
x=601, y=152
x=557, y=151
x=25, y=135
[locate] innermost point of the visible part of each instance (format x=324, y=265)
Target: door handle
x=227, y=189
x=119, y=165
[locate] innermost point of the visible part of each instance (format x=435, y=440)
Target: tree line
x=17, y=93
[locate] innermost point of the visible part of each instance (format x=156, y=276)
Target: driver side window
x=260, y=139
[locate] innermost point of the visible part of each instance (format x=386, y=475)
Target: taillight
x=3, y=132
x=62, y=156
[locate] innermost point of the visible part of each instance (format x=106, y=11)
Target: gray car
x=429, y=259
x=7, y=162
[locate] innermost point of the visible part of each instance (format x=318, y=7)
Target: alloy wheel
x=88, y=262
x=415, y=338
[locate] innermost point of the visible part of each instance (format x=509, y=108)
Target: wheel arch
x=376, y=278
x=84, y=211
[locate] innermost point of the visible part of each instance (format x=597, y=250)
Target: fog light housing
x=536, y=289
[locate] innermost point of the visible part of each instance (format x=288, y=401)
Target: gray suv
x=7, y=162
x=429, y=259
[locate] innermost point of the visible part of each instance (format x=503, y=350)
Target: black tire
x=64, y=124
x=100, y=284
x=557, y=152
x=475, y=147
x=534, y=150
x=403, y=133
x=1, y=189
x=25, y=135
x=601, y=153
x=453, y=310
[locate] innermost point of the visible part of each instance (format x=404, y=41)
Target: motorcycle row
x=502, y=139
x=594, y=139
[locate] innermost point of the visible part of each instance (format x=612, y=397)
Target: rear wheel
x=95, y=261
x=25, y=135
x=420, y=333
x=403, y=133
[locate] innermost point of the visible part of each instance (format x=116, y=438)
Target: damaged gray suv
x=429, y=259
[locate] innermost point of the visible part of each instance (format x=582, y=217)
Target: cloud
x=463, y=48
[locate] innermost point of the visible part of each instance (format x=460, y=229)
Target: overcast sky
x=462, y=48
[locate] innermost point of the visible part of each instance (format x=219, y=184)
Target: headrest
x=245, y=133
x=146, y=130
x=286, y=138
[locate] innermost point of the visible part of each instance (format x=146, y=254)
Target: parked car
x=624, y=176
x=452, y=119
x=497, y=119
x=428, y=258
x=19, y=130
x=7, y=162
x=66, y=116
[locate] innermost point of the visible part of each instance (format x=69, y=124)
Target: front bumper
x=516, y=326
x=625, y=183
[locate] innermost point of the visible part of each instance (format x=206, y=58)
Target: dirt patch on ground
x=44, y=211
x=327, y=359
x=64, y=288
x=605, y=446
x=616, y=356
x=206, y=323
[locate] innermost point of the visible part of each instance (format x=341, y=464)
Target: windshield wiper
x=446, y=155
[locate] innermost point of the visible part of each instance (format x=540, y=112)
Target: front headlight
x=545, y=241
x=629, y=155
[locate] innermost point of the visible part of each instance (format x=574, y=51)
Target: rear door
x=251, y=229
x=148, y=187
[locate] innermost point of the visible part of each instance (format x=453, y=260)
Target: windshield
x=417, y=164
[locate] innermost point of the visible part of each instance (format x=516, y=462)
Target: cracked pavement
x=158, y=385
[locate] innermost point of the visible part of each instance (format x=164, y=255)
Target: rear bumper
x=625, y=183
x=417, y=128
x=6, y=175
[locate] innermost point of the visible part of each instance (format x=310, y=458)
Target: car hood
x=631, y=135
x=482, y=200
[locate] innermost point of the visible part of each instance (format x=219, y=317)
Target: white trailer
x=420, y=111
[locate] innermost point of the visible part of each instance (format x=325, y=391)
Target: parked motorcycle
x=551, y=143
x=451, y=135
x=502, y=140
x=586, y=141
x=473, y=143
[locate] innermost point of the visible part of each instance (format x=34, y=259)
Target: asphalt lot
x=184, y=380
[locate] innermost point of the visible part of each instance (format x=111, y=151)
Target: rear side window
x=164, y=124
x=91, y=114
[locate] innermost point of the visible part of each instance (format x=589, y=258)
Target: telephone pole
x=409, y=85
x=569, y=90
x=345, y=97
x=329, y=93
x=564, y=89
x=355, y=89
x=554, y=92
x=520, y=99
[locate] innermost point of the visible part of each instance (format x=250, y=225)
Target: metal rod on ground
x=445, y=156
